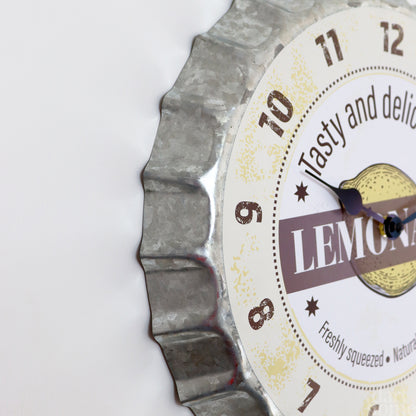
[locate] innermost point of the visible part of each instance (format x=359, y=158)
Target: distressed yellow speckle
x=275, y=155
x=243, y=281
x=395, y=402
x=344, y=36
x=370, y=405
x=249, y=168
x=401, y=401
x=302, y=88
x=280, y=364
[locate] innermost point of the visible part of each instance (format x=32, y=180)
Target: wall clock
x=279, y=237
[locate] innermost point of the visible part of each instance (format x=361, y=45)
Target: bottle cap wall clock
x=279, y=232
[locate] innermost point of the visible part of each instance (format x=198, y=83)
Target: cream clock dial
x=312, y=242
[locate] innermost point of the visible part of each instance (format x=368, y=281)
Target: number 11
x=320, y=40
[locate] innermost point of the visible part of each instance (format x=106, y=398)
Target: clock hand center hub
x=392, y=227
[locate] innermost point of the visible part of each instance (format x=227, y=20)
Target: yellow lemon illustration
x=379, y=183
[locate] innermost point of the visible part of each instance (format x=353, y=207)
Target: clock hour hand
x=351, y=199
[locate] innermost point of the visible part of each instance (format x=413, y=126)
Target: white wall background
x=80, y=84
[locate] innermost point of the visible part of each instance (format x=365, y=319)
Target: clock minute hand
x=409, y=218
x=351, y=199
x=393, y=225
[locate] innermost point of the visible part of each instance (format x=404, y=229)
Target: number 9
x=250, y=207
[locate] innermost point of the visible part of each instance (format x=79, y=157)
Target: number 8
x=260, y=311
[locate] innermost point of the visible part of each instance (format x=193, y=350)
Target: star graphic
x=312, y=306
x=301, y=192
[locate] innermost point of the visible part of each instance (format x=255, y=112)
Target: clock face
x=323, y=301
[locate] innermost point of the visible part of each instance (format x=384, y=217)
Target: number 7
x=315, y=388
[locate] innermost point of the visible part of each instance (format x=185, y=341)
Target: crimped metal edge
x=181, y=249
